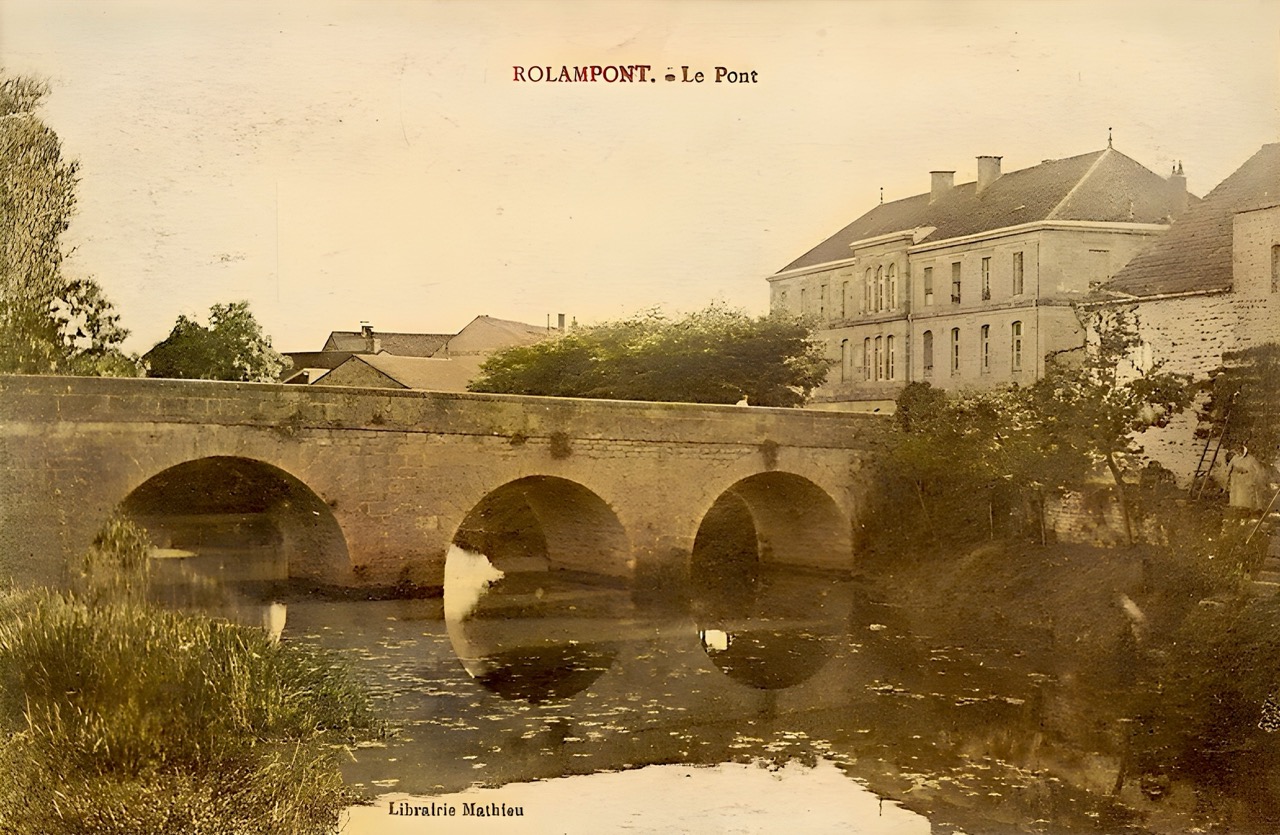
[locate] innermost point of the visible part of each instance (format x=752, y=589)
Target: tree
x=1095, y=407
x=232, y=347
x=48, y=323
x=715, y=355
x=1085, y=411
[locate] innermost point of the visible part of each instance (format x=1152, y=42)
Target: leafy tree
x=715, y=355
x=1095, y=407
x=232, y=347
x=1085, y=411
x=48, y=323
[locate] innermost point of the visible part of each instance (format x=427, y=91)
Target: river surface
x=792, y=701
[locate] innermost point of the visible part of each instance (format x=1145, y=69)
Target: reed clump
x=122, y=717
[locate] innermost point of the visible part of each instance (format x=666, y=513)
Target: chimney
x=560, y=322
x=941, y=183
x=371, y=343
x=1177, y=191
x=988, y=172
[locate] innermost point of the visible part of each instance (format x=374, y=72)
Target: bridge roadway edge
x=401, y=469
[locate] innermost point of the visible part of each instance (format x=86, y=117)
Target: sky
x=333, y=163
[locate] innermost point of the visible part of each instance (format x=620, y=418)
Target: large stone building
x=972, y=285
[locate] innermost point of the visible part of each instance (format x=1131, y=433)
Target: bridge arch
x=548, y=518
x=764, y=615
x=535, y=578
x=780, y=517
x=241, y=519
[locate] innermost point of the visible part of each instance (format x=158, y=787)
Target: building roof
x=422, y=372
x=1101, y=186
x=1195, y=254
x=485, y=333
x=400, y=344
x=317, y=359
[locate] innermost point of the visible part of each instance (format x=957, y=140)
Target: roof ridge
x=1053, y=213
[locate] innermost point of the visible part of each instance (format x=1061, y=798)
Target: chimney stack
x=988, y=172
x=941, y=183
x=1177, y=191
x=560, y=322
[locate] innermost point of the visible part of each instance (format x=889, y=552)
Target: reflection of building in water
x=970, y=285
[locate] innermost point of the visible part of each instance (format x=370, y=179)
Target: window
x=889, y=368
x=891, y=291
x=928, y=285
x=804, y=309
x=984, y=348
x=866, y=293
x=955, y=350
x=955, y=283
x=986, y=279
x=822, y=302
x=1016, y=331
x=844, y=360
x=782, y=299
x=879, y=288
x=1017, y=274
x=879, y=358
x=844, y=300
x=1275, y=268
x=866, y=357
x=926, y=353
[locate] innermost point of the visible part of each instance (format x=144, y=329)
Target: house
x=972, y=285
x=440, y=362
x=1207, y=287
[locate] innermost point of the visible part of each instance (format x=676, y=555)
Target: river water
x=767, y=699
x=788, y=700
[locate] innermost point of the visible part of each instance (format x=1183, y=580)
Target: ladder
x=1209, y=455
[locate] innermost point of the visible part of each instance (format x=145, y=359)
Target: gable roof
x=1102, y=186
x=485, y=333
x=401, y=344
x=421, y=372
x=1195, y=254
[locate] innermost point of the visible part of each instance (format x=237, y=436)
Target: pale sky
x=338, y=162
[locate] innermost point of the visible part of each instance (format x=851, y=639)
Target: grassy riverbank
x=120, y=717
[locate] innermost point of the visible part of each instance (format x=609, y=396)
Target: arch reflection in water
x=536, y=589
x=229, y=532
x=767, y=606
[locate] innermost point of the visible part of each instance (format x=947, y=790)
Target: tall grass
x=120, y=717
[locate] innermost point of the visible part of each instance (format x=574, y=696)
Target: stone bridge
x=358, y=488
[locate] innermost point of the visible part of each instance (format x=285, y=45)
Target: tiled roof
x=1104, y=185
x=424, y=372
x=1195, y=254
x=317, y=359
x=484, y=334
x=400, y=344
